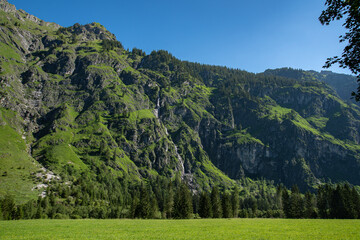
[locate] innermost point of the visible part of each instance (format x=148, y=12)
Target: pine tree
x=8, y=207
x=323, y=200
x=195, y=203
x=45, y=204
x=235, y=201
x=356, y=200
x=350, y=208
x=309, y=205
x=182, y=203
x=143, y=208
x=169, y=201
x=337, y=204
x=286, y=203
x=205, y=208
x=134, y=205
x=28, y=209
x=38, y=214
x=19, y=213
x=153, y=207
x=216, y=203
x=226, y=206
x=297, y=207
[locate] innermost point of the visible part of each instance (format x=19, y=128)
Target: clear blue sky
x=252, y=35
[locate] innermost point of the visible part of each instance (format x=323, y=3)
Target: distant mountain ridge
x=74, y=101
x=343, y=84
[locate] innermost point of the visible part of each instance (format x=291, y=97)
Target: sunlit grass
x=181, y=229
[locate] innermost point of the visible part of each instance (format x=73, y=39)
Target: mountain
x=74, y=104
x=343, y=84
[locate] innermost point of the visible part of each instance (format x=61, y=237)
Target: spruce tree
x=8, y=207
x=337, y=204
x=143, y=208
x=195, y=203
x=226, y=206
x=134, y=205
x=350, y=212
x=323, y=200
x=19, y=213
x=216, y=203
x=356, y=200
x=38, y=214
x=205, y=208
x=286, y=203
x=153, y=207
x=297, y=203
x=235, y=201
x=169, y=201
x=309, y=205
x=182, y=203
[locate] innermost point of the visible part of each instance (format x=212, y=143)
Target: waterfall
x=181, y=161
x=181, y=166
x=157, y=108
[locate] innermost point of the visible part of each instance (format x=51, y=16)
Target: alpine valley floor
x=181, y=229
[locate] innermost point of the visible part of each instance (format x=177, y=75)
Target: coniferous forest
x=161, y=198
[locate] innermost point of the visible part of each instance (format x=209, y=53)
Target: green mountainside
x=74, y=104
x=343, y=84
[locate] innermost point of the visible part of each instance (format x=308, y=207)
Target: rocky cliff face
x=79, y=101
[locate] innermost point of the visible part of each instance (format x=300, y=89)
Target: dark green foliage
x=342, y=204
x=19, y=214
x=163, y=62
x=143, y=207
x=155, y=200
x=309, y=206
x=137, y=52
x=235, y=201
x=286, y=203
x=355, y=198
x=216, y=203
x=339, y=201
x=134, y=206
x=227, y=210
x=182, y=202
x=323, y=200
x=349, y=9
x=8, y=208
x=38, y=214
x=205, y=206
x=109, y=45
x=297, y=203
x=154, y=207
x=169, y=201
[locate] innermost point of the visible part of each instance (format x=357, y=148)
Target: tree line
x=114, y=197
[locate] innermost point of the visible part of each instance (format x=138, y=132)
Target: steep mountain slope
x=84, y=107
x=343, y=84
x=76, y=102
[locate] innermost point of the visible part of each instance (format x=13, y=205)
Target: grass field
x=181, y=229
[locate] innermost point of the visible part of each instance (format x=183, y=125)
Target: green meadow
x=181, y=229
